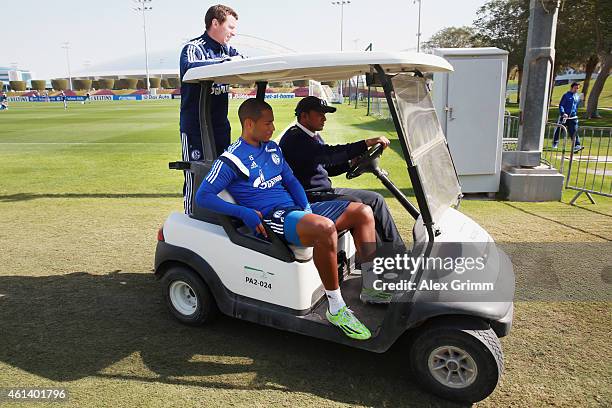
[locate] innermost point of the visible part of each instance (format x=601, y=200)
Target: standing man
x=3, y=104
x=62, y=97
x=313, y=162
x=568, y=116
x=210, y=48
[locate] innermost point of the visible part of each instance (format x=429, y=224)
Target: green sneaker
x=348, y=323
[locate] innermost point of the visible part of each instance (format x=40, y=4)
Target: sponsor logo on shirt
x=261, y=182
x=270, y=150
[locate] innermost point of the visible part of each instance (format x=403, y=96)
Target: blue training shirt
x=258, y=178
x=198, y=52
x=569, y=104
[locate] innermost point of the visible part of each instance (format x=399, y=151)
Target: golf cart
x=210, y=263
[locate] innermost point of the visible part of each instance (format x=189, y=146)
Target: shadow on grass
x=69, y=327
x=556, y=221
x=579, y=205
x=35, y=196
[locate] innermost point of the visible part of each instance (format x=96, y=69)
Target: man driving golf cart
x=255, y=173
x=313, y=162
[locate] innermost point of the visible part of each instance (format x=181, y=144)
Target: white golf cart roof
x=320, y=66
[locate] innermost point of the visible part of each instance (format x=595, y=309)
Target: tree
x=39, y=84
x=593, y=100
x=576, y=44
x=155, y=82
x=106, y=83
x=82, y=84
x=589, y=68
x=453, y=37
x=18, y=86
x=602, y=22
x=174, y=82
x=60, y=84
x=504, y=24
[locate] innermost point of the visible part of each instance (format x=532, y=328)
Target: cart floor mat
x=370, y=315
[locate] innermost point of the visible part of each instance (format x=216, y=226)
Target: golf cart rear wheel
x=459, y=365
x=188, y=297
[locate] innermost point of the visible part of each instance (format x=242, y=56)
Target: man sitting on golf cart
x=314, y=162
x=255, y=173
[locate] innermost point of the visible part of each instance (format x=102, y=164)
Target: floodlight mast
x=418, y=27
x=144, y=6
x=66, y=46
x=341, y=3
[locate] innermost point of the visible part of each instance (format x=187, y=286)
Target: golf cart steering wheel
x=365, y=162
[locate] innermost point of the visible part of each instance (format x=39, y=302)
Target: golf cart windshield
x=426, y=143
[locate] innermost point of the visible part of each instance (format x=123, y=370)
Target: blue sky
x=104, y=32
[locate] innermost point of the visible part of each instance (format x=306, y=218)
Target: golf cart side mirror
x=179, y=165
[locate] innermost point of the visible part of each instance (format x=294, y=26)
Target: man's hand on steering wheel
x=372, y=142
x=376, y=140
x=367, y=161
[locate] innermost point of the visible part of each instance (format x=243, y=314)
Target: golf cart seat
x=301, y=254
x=237, y=232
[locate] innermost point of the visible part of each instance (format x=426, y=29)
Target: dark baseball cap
x=312, y=103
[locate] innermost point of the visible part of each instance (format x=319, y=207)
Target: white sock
x=335, y=300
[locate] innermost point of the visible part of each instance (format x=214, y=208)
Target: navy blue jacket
x=313, y=162
x=198, y=52
x=569, y=104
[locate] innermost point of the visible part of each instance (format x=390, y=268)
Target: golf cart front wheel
x=459, y=365
x=188, y=297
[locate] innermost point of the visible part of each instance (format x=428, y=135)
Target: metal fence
x=587, y=171
x=590, y=169
x=553, y=157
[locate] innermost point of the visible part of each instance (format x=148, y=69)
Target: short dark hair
x=574, y=84
x=220, y=13
x=252, y=109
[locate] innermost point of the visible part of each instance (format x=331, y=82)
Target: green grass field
x=82, y=194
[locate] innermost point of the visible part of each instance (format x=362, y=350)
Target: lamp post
x=144, y=6
x=66, y=46
x=418, y=27
x=341, y=3
x=162, y=61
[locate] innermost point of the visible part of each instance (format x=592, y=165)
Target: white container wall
x=470, y=104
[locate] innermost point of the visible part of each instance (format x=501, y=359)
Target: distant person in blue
x=62, y=97
x=209, y=48
x=254, y=171
x=568, y=116
x=3, y=103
